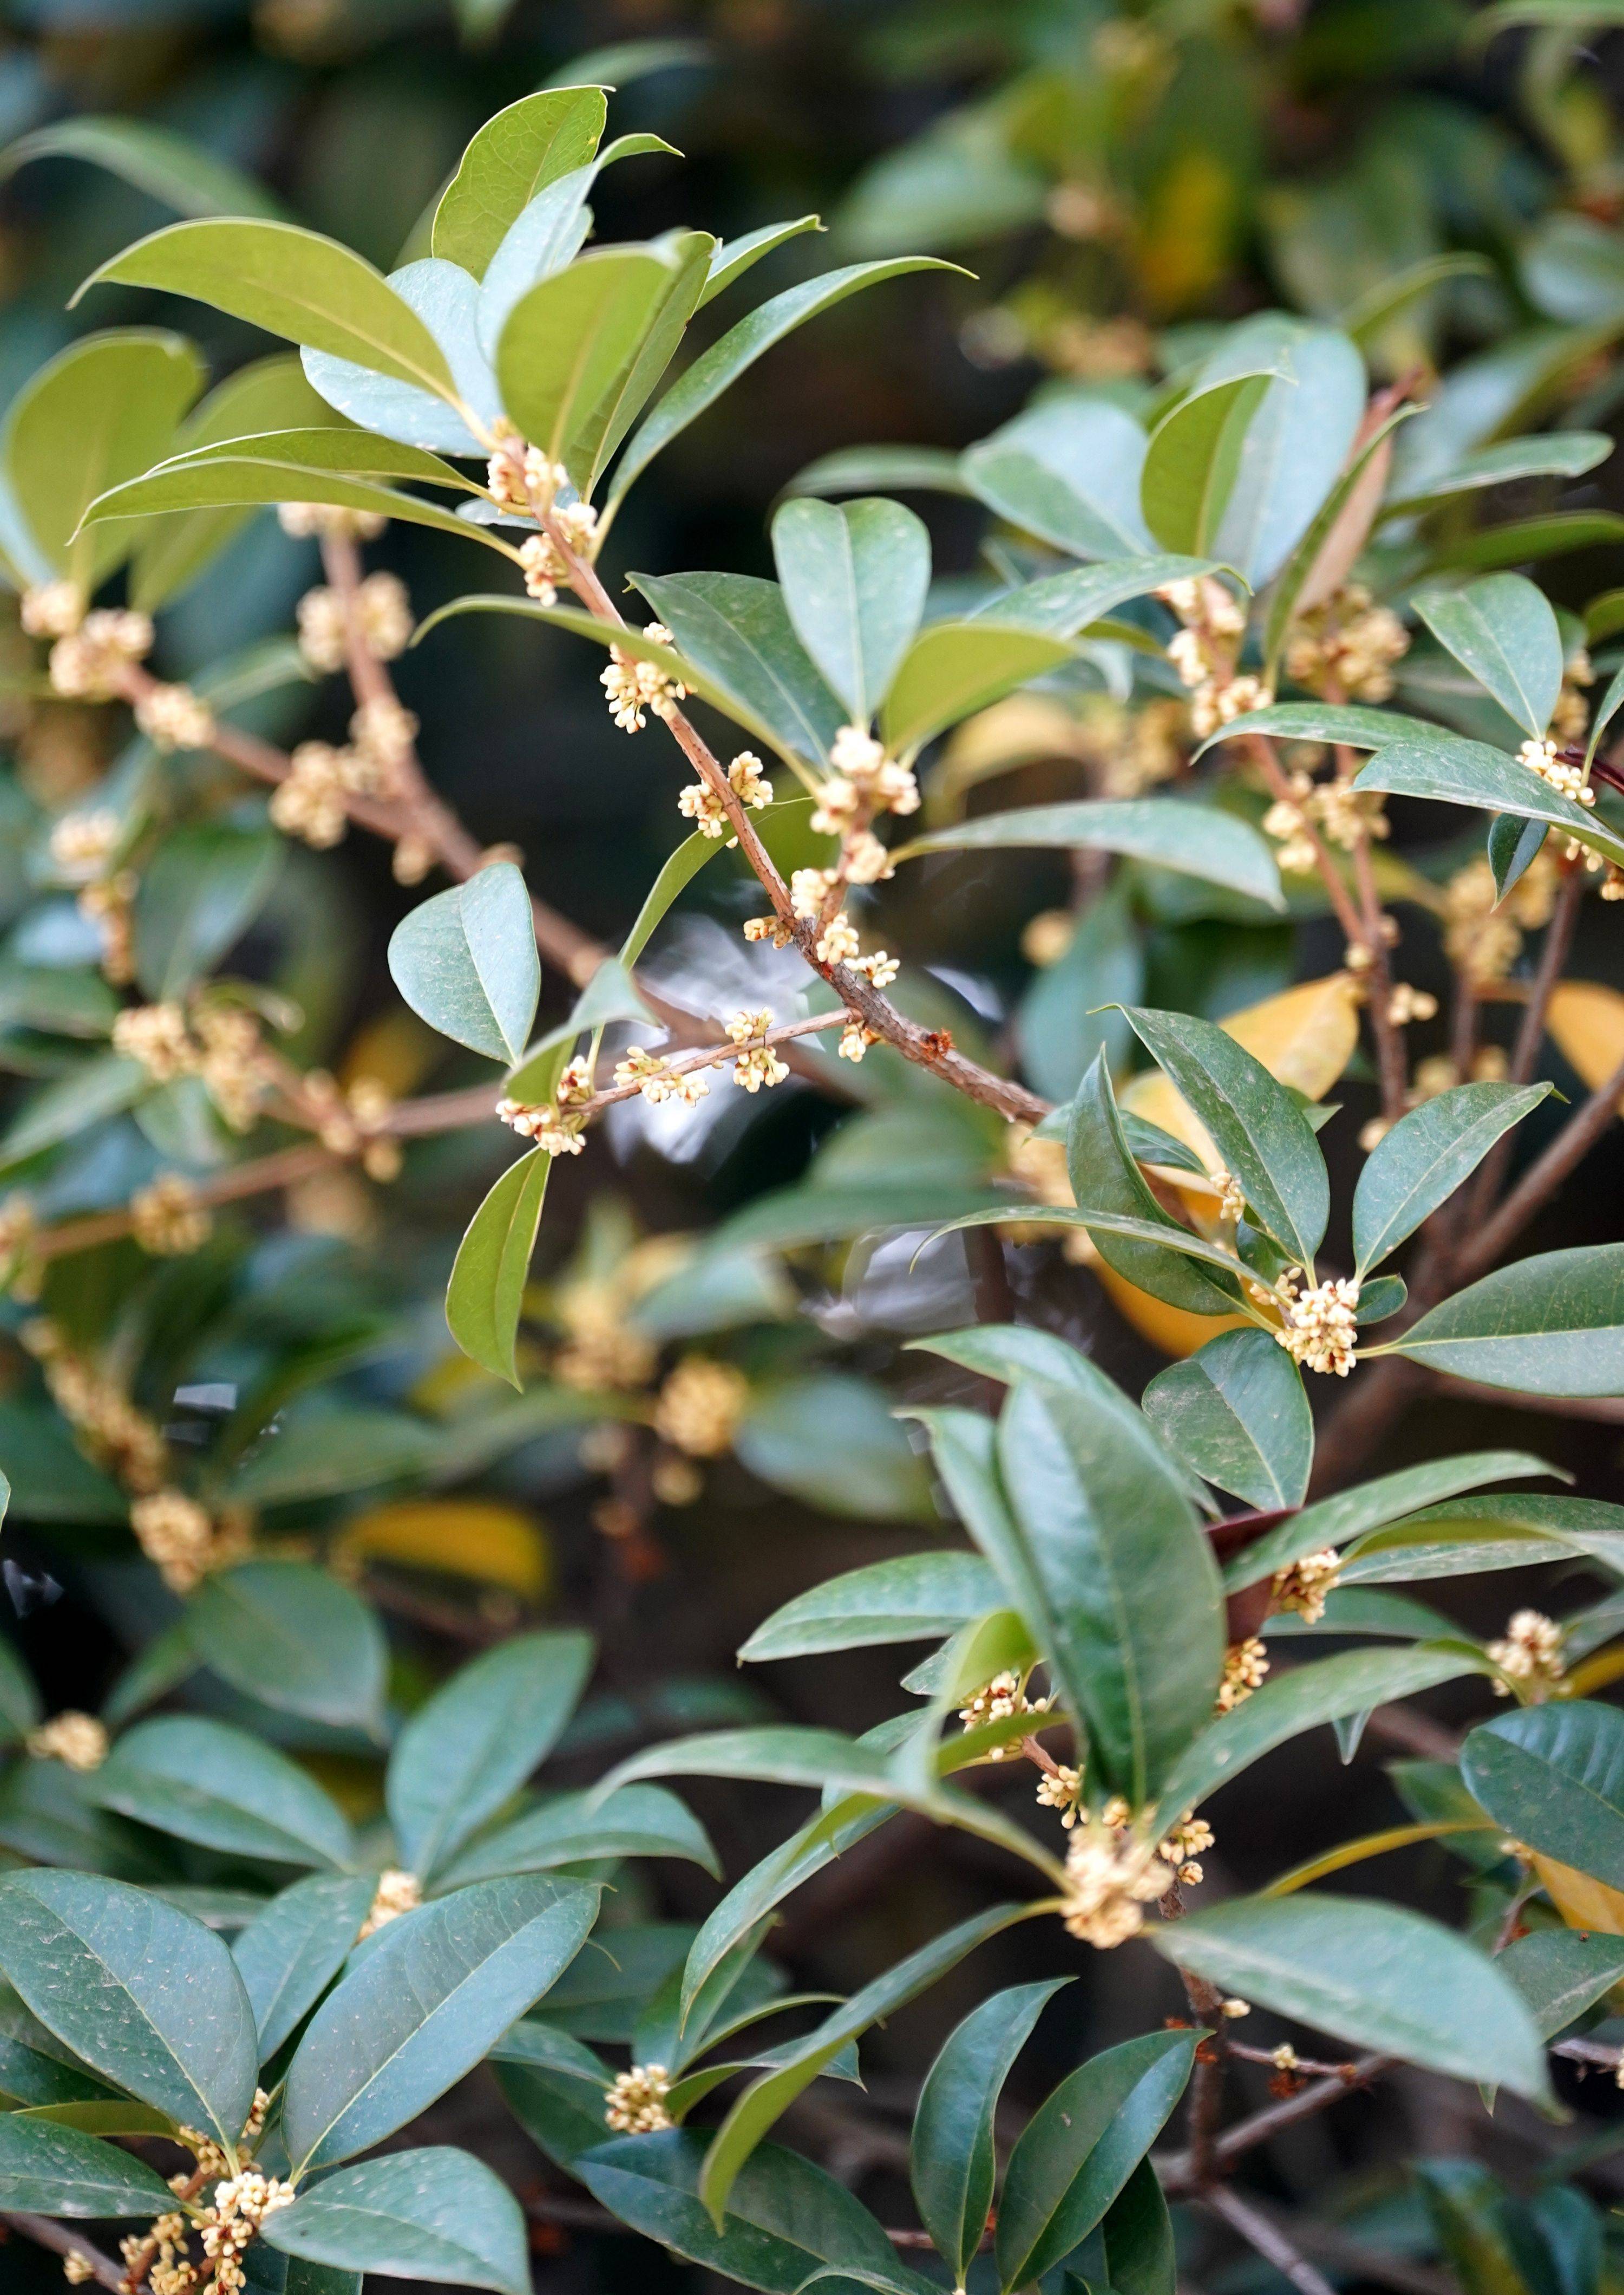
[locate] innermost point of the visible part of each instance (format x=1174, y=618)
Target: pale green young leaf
x=1371, y=1974
x=206, y=1782
x=471, y=1746
x=423, y=2005
x=225, y=480
x=1353, y=723
x=953, y=668
x=1426, y=1156
x=1553, y=1776
x=466, y=962
x=1606, y=710
x=1237, y=1413
x=739, y=349
x=1193, y=459
x=289, y=1954
x=493, y=1264
x=1365, y=317
x=951, y=2165
x=1552, y=1324
x=1503, y=631
x=908, y=1598
x=52, y=2170
x=1195, y=840
x=515, y=155
x=438, y=2215
x=570, y=343
x=1296, y=444
x=855, y=582
x=735, y=256
x=292, y=283
x=139, y=1990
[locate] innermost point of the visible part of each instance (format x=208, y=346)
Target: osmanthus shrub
x=1257, y=541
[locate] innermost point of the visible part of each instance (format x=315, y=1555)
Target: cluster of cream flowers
x=96, y=1407
x=551, y=1123
x=88, y=663
x=172, y=717
x=1544, y=758
x=1529, y=1653
x=1346, y=649
x=1321, y=1322
x=700, y=1406
x=1112, y=1873
x=634, y=2104
x=219, y=1043
x=1342, y=817
x=704, y=807
x=382, y=609
x=999, y=1700
x=311, y=802
x=1203, y=654
x=168, y=1218
x=1303, y=1586
x=78, y=1741
x=1482, y=934
x=1245, y=1669
x=241, y=2203
x=656, y=1079
x=757, y=1066
x=182, y=1540
x=634, y=687
x=397, y=1891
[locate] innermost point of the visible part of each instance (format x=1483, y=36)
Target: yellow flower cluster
x=88, y=663
x=168, y=1219
x=397, y=1891
x=1530, y=1653
x=700, y=1406
x=183, y=1539
x=172, y=717
x=1245, y=1667
x=634, y=2104
x=1303, y=1586
x=1346, y=649
x=704, y=807
x=1320, y=1324
x=78, y=1741
x=110, y=1427
x=306, y=521
x=219, y=1043
x=1000, y=1700
x=633, y=686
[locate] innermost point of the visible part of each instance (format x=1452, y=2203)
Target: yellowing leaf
x=1582, y=1902
x=1174, y=1330
x=1018, y=730
x=467, y=1538
x=1305, y=1038
x=1586, y=1023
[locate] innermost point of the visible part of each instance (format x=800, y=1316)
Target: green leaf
x=493, y=1265
x=423, y=2005
x=737, y=632
x=324, y=1448
x=1257, y=1127
x=1353, y=723
x=1426, y=1156
x=569, y=344
x=717, y=369
x=1487, y=1533
x=767, y=2099
x=1079, y=2148
x=1553, y=1776
x=855, y=581
x=1526, y=539
x=1297, y=443
x=320, y=446
x=1108, y=1556
x=515, y=155
x=1503, y=631
x=1196, y=840
x=785, y=2216
x=953, y=668
x=766, y=1884
x=1371, y=1974
x=1452, y=771
x=140, y=1991
x=169, y=168
x=573, y=1829
x=1068, y=473
x=1559, y=454
x=291, y=1636
x=20, y=1704
x=55, y=2171
x=1560, y=1973
x=1334, y=1521
x=1284, y=1708
x=862, y=469
x=1366, y=318
x=289, y=1953
x=735, y=256
x=235, y=476
x=910, y=1598
x=292, y=283
x=951, y=2159
x=1193, y=459
x=1235, y=1412
x=1107, y=1180
x=100, y=410
x=1063, y=605
x=206, y=1782
x=199, y=894
x=1553, y=1325
x=466, y=962
x=1606, y=710
x=830, y=1438
x=1303, y=582
x=1140, y=2258
x=467, y=1750
x=438, y=2214
x=1514, y=848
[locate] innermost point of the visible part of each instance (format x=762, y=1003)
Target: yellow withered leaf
x=1586, y=1023
x=1305, y=1038
x=464, y=1537
x=1174, y=1330
x=1582, y=1902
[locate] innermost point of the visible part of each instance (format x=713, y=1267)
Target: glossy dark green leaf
x=951, y=2163
x=785, y=2216
x=289, y=1953
x=140, y=1991
x=1372, y=1974
x=323, y=1448
x=222, y=479
x=954, y=669
x=423, y=2005
x=1108, y=1555
x=466, y=962
x=1193, y=840
x=1137, y=2231
x=1496, y=1533
x=1354, y=724
x=1514, y=848
x=1105, y=1178
x=1193, y=459
x=1552, y=1325
x=1426, y=1156
x=468, y=1749
x=908, y=1598
x=1553, y=1776
x=572, y=1829
x=1453, y=772
x=739, y=349
x=1258, y=1128
x=516, y=154
x=1335, y=1521
x=493, y=1265
x=51, y=2170
x=438, y=2214
x=1079, y=2149
x=1503, y=631
x=206, y=1782
x=1561, y=1972
x=291, y=1636
x=854, y=580
x=1237, y=1413
x=293, y=282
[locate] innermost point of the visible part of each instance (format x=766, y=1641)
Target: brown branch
x=62, y=2242
x=1542, y=1179
x=1261, y=2126
x=1531, y=1032
x=1260, y=2233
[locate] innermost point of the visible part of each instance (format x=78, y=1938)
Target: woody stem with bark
x=64, y=2243
x=1530, y=1032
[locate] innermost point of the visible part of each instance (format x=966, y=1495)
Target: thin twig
x=1266, y=2238
x=1542, y=1179
x=62, y=2242
x=1531, y=1032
